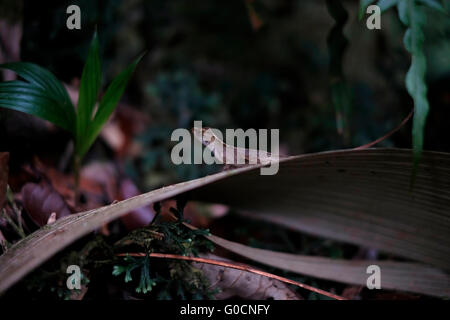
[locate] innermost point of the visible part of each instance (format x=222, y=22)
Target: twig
x=242, y=267
x=370, y=144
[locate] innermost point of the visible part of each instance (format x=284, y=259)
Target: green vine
x=412, y=16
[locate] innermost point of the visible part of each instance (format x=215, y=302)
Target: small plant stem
x=157, y=209
x=155, y=217
x=237, y=266
x=16, y=210
x=11, y=222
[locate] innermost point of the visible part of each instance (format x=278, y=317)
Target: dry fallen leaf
x=79, y=294
x=100, y=178
x=369, y=199
x=354, y=196
x=243, y=284
x=62, y=183
x=41, y=200
x=402, y=276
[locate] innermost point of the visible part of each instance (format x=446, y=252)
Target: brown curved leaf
x=358, y=196
x=361, y=197
x=403, y=276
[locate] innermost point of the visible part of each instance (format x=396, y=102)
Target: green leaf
x=403, y=14
x=44, y=96
x=118, y=270
x=107, y=106
x=26, y=97
x=146, y=284
x=386, y=4
x=407, y=40
x=50, y=87
x=434, y=4
x=363, y=4
x=40, y=77
x=131, y=265
x=414, y=18
x=89, y=88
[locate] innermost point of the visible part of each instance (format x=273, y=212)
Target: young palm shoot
x=41, y=94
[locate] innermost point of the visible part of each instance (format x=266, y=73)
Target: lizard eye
x=209, y=141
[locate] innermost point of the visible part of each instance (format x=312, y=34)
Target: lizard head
x=205, y=135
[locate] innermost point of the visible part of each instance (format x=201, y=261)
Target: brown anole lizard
x=242, y=157
x=229, y=155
